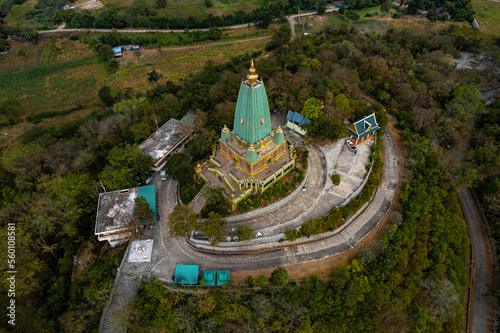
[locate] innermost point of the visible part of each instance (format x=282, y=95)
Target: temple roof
x=252, y=119
x=364, y=126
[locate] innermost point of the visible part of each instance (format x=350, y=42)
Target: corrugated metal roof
x=222, y=277
x=186, y=274
x=149, y=193
x=117, y=49
x=209, y=277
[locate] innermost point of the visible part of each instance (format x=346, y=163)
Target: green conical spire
x=252, y=119
x=279, y=136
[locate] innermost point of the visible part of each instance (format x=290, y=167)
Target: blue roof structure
x=186, y=274
x=149, y=193
x=189, y=119
x=117, y=49
x=297, y=118
x=364, y=126
x=222, y=277
x=209, y=277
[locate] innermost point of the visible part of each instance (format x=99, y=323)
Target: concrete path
x=481, y=310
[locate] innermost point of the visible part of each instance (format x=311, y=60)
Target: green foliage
x=250, y=281
x=279, y=277
x=143, y=212
x=178, y=167
x=262, y=280
x=216, y=201
x=154, y=76
x=106, y=96
x=181, y=221
x=244, y=233
x=335, y=179
x=214, y=227
x=201, y=144
x=127, y=167
x=312, y=109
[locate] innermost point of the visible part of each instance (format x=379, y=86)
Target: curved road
x=178, y=250
x=481, y=314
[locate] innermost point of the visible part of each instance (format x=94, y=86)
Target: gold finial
x=225, y=128
x=252, y=147
x=252, y=75
x=279, y=128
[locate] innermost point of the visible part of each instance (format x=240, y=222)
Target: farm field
x=488, y=16
x=62, y=75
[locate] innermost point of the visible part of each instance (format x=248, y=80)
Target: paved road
x=481, y=314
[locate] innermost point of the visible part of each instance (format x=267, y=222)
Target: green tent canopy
x=222, y=277
x=186, y=274
x=209, y=277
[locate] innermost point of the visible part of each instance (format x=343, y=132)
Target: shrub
x=335, y=179
x=250, y=281
x=292, y=235
x=244, y=233
x=261, y=280
x=279, y=277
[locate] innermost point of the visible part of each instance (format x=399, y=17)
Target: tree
x=105, y=52
x=112, y=66
x=181, y=221
x=127, y=166
x=279, y=277
x=386, y=6
x=215, y=198
x=261, y=280
x=201, y=144
x=335, y=178
x=178, y=167
x=244, y=233
x=161, y=4
x=208, y=3
x=105, y=95
x=342, y=103
x=280, y=37
x=214, y=227
x=353, y=16
x=312, y=109
x=143, y=212
x=321, y=8
x=154, y=76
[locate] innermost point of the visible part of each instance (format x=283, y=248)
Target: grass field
x=195, y=8
x=318, y=23
x=488, y=16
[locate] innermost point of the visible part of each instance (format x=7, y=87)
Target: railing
x=199, y=193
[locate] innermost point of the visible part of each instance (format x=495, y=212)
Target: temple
x=252, y=156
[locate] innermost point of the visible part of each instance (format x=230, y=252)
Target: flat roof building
x=164, y=141
x=115, y=213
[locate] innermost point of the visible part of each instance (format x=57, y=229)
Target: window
x=261, y=121
x=220, y=179
x=234, y=160
x=242, y=121
x=269, y=161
